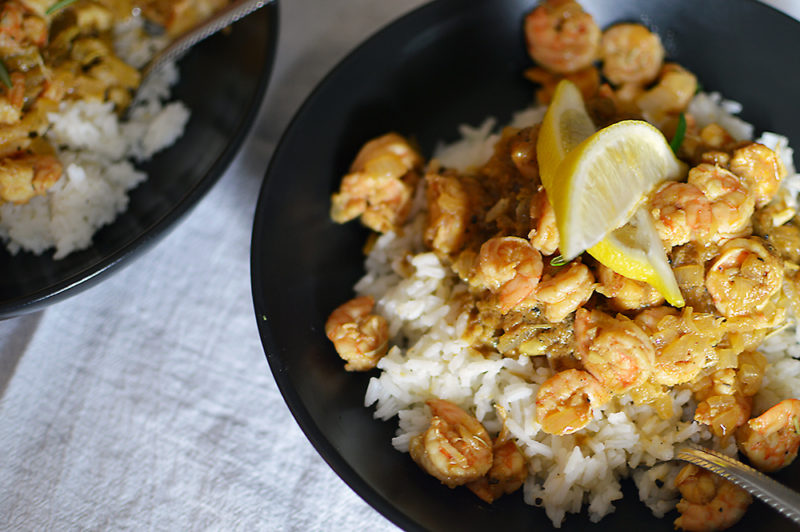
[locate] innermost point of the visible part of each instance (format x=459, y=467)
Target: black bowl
x=447, y=63
x=223, y=80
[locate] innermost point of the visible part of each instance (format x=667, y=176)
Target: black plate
x=447, y=63
x=223, y=80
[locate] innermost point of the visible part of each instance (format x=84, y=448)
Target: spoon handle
x=772, y=492
x=221, y=19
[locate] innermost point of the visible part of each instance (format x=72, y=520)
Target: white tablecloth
x=146, y=403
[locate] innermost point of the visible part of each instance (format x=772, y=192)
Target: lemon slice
x=601, y=182
x=636, y=252
x=565, y=125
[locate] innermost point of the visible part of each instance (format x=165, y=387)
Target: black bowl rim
x=298, y=410
x=296, y=406
x=97, y=271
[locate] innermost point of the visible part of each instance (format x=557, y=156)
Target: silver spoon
x=220, y=20
x=772, y=492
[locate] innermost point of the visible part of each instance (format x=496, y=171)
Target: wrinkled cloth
x=146, y=403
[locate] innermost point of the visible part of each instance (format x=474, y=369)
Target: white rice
x=429, y=359
x=98, y=152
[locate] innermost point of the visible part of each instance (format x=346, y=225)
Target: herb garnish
x=4, y=77
x=680, y=132
x=58, y=5
x=558, y=260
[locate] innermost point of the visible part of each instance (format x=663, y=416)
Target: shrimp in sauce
x=448, y=213
x=761, y=167
x=544, y=234
x=565, y=291
x=631, y=54
x=732, y=203
x=565, y=401
x=510, y=267
x=359, y=336
x=624, y=293
x=561, y=36
x=681, y=212
x=508, y=471
x=744, y=277
x=379, y=185
x=456, y=449
x=616, y=351
x=771, y=440
x=708, y=502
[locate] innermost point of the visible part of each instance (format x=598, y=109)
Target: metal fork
x=772, y=492
x=220, y=20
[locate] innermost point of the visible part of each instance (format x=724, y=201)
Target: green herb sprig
x=558, y=260
x=4, y=76
x=680, y=132
x=57, y=6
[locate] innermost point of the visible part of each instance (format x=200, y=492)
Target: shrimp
x=565, y=291
x=744, y=277
x=672, y=93
x=624, y=293
x=448, y=213
x=380, y=184
x=724, y=413
x=771, y=440
x=681, y=213
x=561, y=36
x=544, y=234
x=565, y=401
x=683, y=342
x=709, y=502
x=510, y=267
x=360, y=337
x=12, y=100
x=761, y=168
x=522, y=150
x=24, y=176
x=456, y=449
x=616, y=351
x=508, y=471
x=732, y=203
x=631, y=54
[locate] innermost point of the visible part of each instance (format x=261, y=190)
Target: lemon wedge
x=565, y=125
x=601, y=182
x=636, y=252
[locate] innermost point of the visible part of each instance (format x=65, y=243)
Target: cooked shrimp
x=683, y=342
x=624, y=293
x=455, y=448
x=772, y=439
x=561, y=36
x=709, y=502
x=631, y=54
x=681, y=213
x=544, y=234
x=587, y=80
x=448, y=213
x=616, y=351
x=724, y=413
x=761, y=167
x=508, y=471
x=12, y=100
x=510, y=267
x=565, y=401
x=360, y=337
x=671, y=94
x=744, y=277
x=380, y=184
x=24, y=176
x=522, y=150
x=565, y=291
x=732, y=203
